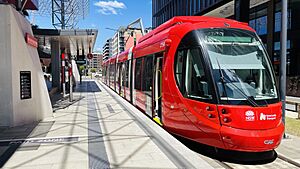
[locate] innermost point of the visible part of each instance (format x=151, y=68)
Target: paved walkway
x=290, y=149
x=100, y=130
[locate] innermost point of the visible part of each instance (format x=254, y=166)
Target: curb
x=284, y=158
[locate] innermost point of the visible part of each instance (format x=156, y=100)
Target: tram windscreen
x=240, y=65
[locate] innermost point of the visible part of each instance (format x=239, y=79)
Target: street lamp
x=283, y=40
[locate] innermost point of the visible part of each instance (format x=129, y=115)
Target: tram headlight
x=224, y=111
x=226, y=120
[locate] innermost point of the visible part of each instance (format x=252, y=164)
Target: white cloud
x=98, y=49
x=109, y=7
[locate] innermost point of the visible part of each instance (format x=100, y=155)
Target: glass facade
x=277, y=27
x=163, y=10
x=260, y=25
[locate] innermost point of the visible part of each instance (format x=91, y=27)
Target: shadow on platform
x=59, y=102
x=88, y=87
x=13, y=139
x=246, y=158
x=64, y=102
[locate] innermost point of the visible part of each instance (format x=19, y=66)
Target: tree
x=93, y=70
x=81, y=68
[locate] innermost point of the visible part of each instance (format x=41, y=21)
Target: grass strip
x=292, y=126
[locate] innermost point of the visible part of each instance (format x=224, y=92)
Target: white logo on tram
x=267, y=116
x=268, y=142
x=249, y=115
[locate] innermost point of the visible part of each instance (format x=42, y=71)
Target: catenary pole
x=283, y=40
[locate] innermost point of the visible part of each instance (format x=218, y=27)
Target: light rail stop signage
x=90, y=56
x=25, y=85
x=31, y=40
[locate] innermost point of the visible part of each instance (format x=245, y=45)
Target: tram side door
x=120, y=65
x=122, y=77
x=157, y=86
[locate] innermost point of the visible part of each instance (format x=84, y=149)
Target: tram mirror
x=168, y=42
x=204, y=88
x=252, y=84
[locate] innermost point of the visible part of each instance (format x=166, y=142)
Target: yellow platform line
x=157, y=120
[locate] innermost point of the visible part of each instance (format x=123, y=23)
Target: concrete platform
x=290, y=149
x=100, y=130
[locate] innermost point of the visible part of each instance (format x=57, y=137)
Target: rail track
x=281, y=162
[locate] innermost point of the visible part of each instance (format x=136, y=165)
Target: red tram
x=203, y=78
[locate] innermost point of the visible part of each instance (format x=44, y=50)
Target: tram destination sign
x=82, y=62
x=25, y=85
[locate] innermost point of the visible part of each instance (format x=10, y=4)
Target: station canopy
x=82, y=40
x=28, y=4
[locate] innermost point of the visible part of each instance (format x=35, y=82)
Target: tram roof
x=152, y=39
x=187, y=19
x=123, y=56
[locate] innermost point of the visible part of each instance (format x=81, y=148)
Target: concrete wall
x=19, y=56
x=5, y=69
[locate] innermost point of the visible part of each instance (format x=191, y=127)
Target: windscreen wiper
x=250, y=99
x=222, y=78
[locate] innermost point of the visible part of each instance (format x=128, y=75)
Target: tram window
x=195, y=80
x=103, y=70
x=122, y=69
x=112, y=73
x=190, y=75
x=138, y=74
x=178, y=69
x=126, y=79
x=117, y=73
x=148, y=73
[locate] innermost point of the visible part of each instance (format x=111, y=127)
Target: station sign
x=81, y=62
x=25, y=85
x=64, y=56
x=31, y=40
x=90, y=56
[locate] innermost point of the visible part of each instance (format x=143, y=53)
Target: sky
x=107, y=14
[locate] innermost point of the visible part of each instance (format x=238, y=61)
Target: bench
x=295, y=102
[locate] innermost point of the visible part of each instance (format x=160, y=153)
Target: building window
x=278, y=21
x=260, y=25
x=277, y=45
x=276, y=59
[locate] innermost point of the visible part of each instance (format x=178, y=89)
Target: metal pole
x=283, y=40
x=71, y=80
x=63, y=24
x=63, y=77
x=23, y=6
x=134, y=38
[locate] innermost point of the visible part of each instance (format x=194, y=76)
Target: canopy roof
x=70, y=40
